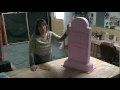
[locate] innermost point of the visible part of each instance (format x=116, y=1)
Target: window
x=59, y=15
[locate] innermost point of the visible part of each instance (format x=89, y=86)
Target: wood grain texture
x=55, y=69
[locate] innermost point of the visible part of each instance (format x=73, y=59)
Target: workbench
x=55, y=69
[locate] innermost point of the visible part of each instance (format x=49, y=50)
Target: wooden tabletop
x=55, y=69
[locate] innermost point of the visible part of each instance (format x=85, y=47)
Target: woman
x=40, y=44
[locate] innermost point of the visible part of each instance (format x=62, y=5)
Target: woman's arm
x=31, y=51
x=63, y=37
x=31, y=59
x=57, y=37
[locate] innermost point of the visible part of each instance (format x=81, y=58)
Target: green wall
x=16, y=26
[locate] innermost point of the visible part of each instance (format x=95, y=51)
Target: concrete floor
x=18, y=54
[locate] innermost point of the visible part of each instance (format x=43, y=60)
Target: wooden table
x=55, y=69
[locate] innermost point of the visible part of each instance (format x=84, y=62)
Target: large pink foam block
x=79, y=43
x=79, y=66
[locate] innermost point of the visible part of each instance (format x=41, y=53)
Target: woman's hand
x=69, y=25
x=34, y=67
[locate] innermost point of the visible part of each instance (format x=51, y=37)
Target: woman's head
x=41, y=27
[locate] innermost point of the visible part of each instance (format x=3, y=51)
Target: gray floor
x=18, y=54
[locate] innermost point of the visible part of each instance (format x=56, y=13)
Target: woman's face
x=42, y=29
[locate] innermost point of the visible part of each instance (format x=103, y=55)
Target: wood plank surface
x=55, y=69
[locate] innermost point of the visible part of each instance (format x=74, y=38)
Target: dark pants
x=42, y=59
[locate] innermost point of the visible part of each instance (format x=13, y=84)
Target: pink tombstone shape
x=79, y=44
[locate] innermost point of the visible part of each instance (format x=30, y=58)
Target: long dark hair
x=40, y=22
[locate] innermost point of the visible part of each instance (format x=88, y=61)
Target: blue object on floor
x=3, y=75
